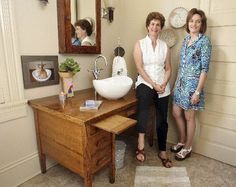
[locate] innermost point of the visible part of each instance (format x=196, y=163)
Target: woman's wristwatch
x=197, y=93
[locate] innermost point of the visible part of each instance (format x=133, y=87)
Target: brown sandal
x=165, y=162
x=140, y=152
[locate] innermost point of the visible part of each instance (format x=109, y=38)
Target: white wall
x=37, y=35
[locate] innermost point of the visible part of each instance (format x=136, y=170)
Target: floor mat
x=150, y=176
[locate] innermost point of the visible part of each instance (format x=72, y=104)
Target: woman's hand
x=159, y=88
x=195, y=99
x=163, y=86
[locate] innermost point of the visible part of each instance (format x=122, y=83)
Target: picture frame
x=39, y=71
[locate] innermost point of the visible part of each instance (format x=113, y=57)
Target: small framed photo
x=39, y=71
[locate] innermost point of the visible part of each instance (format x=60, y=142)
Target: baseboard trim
x=18, y=162
x=210, y=149
x=21, y=170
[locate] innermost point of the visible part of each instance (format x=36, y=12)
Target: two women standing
x=152, y=59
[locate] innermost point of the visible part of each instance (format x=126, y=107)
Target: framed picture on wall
x=39, y=71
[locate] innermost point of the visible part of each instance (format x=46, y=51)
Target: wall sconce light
x=108, y=11
x=43, y=2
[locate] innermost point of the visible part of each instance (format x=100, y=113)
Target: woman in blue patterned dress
x=188, y=92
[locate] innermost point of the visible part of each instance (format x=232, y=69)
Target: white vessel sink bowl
x=113, y=87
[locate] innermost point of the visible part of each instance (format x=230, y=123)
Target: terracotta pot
x=65, y=74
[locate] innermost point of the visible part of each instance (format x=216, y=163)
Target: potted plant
x=70, y=66
x=67, y=69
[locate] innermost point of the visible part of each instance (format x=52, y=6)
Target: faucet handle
x=95, y=72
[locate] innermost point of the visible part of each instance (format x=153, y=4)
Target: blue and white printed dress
x=194, y=59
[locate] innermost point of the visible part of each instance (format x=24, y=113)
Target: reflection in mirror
x=84, y=33
x=82, y=18
x=79, y=26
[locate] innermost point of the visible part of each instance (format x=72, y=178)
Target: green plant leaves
x=69, y=65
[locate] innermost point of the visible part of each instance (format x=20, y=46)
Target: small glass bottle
x=62, y=98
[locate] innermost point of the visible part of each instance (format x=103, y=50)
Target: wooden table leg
x=113, y=159
x=88, y=180
x=42, y=157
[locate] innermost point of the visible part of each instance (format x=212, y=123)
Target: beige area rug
x=152, y=176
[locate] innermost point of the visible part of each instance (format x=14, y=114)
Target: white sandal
x=183, y=154
x=177, y=147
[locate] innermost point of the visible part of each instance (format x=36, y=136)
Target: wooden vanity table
x=82, y=141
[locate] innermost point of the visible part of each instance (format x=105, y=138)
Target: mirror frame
x=64, y=30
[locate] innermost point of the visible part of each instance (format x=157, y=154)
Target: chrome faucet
x=96, y=71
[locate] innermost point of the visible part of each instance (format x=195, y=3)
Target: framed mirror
x=74, y=17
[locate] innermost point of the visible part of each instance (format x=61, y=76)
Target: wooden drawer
x=66, y=157
x=100, y=149
x=101, y=158
x=62, y=131
x=99, y=141
x=129, y=111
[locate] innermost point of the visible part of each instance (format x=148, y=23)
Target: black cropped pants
x=146, y=97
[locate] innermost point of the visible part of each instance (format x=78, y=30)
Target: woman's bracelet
x=197, y=92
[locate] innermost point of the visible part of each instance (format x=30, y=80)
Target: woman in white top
x=83, y=31
x=152, y=59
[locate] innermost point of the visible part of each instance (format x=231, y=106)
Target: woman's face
x=154, y=27
x=80, y=33
x=195, y=24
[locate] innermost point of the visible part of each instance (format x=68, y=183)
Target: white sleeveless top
x=87, y=39
x=154, y=63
